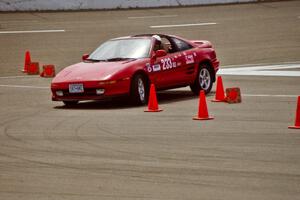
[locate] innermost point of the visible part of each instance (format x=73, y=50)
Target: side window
x=181, y=45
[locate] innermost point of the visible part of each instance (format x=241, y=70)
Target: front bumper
x=119, y=88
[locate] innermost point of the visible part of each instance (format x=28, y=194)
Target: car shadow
x=163, y=97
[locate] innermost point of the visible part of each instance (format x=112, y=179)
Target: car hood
x=90, y=71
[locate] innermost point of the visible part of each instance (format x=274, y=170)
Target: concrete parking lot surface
x=111, y=150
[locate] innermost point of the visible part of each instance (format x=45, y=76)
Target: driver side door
x=185, y=62
x=164, y=67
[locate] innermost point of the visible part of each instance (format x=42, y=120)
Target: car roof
x=149, y=35
x=146, y=35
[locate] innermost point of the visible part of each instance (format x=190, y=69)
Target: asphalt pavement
x=112, y=150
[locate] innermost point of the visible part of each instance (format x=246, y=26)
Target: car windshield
x=122, y=49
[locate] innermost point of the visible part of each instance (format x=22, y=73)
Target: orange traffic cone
x=297, y=121
x=233, y=95
x=48, y=71
x=220, y=96
x=33, y=68
x=152, y=104
x=26, y=62
x=202, y=112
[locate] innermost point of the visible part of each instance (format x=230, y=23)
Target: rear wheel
x=70, y=103
x=139, y=90
x=204, y=80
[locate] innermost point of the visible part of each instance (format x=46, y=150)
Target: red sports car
x=127, y=66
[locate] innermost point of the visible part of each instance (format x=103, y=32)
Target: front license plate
x=76, y=88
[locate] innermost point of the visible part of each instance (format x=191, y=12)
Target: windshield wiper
x=94, y=60
x=118, y=59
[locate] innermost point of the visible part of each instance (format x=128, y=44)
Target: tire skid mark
x=18, y=140
x=34, y=144
x=74, y=153
x=153, y=158
x=97, y=146
x=34, y=150
x=62, y=166
x=9, y=122
x=51, y=165
x=138, y=174
x=165, y=179
x=76, y=194
x=208, y=157
x=182, y=180
x=47, y=136
x=119, y=172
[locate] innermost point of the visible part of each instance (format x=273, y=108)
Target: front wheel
x=204, y=80
x=139, y=90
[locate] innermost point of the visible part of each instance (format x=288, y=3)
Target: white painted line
x=261, y=73
x=11, y=77
x=33, y=31
x=267, y=70
x=264, y=67
x=183, y=25
x=24, y=86
x=269, y=95
x=262, y=64
x=154, y=16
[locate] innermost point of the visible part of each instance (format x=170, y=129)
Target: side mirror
x=160, y=53
x=85, y=57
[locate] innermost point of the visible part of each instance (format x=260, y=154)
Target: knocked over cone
x=48, y=71
x=233, y=95
x=33, y=68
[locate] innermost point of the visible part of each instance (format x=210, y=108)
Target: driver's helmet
x=157, y=37
x=158, y=44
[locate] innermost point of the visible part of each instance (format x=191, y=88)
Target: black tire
x=205, y=71
x=70, y=103
x=138, y=95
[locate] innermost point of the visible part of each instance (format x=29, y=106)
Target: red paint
x=233, y=95
x=48, y=71
x=33, y=68
x=220, y=95
x=84, y=57
x=152, y=103
x=91, y=73
x=27, y=62
x=202, y=110
x=297, y=120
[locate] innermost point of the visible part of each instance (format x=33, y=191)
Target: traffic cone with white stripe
x=27, y=62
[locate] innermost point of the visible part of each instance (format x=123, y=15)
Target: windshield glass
x=122, y=48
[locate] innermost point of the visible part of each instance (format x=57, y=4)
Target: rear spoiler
x=202, y=43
